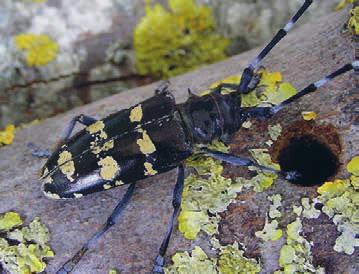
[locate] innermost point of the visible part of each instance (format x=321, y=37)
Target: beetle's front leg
x=241, y=161
x=112, y=220
x=176, y=203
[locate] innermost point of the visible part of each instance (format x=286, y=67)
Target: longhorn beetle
x=153, y=137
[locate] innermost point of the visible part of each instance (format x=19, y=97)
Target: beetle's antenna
x=112, y=220
x=314, y=86
x=248, y=72
x=267, y=112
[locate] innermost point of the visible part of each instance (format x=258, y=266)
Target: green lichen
x=28, y=247
x=341, y=202
x=274, y=131
x=353, y=23
x=39, y=49
x=206, y=191
x=171, y=42
x=343, y=3
x=231, y=260
x=270, y=231
x=196, y=263
x=309, y=210
x=263, y=180
x=276, y=203
x=9, y=220
x=295, y=255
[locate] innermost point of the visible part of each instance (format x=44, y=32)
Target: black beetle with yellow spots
x=155, y=136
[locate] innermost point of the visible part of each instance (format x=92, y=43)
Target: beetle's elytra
x=155, y=136
x=150, y=138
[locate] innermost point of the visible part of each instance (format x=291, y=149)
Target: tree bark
x=305, y=56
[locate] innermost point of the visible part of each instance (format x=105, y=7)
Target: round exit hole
x=313, y=149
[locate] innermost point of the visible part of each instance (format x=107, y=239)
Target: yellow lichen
x=231, y=260
x=295, y=255
x=146, y=145
x=198, y=262
x=170, y=42
x=40, y=49
x=353, y=166
x=9, y=220
x=353, y=23
x=270, y=231
x=7, y=135
x=136, y=114
x=22, y=250
x=343, y=3
x=340, y=201
x=109, y=168
x=309, y=115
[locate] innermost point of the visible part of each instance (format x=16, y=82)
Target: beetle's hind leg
x=176, y=203
x=241, y=161
x=112, y=220
x=82, y=119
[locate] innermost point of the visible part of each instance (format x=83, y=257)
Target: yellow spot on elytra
x=66, y=165
x=119, y=183
x=136, y=114
x=107, y=186
x=78, y=195
x=149, y=169
x=109, y=168
x=96, y=149
x=146, y=145
x=96, y=127
x=52, y=195
x=49, y=180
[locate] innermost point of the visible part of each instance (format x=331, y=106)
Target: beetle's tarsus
x=36, y=151
x=176, y=203
x=159, y=263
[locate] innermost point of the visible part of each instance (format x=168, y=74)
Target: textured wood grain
x=304, y=56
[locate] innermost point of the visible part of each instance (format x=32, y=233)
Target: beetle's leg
x=45, y=153
x=267, y=112
x=248, y=73
x=37, y=151
x=240, y=161
x=176, y=203
x=163, y=87
x=82, y=119
x=112, y=220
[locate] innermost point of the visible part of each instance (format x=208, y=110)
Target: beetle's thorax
x=210, y=117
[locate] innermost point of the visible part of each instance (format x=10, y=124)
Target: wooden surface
x=306, y=55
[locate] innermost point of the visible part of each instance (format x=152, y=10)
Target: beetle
x=155, y=136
